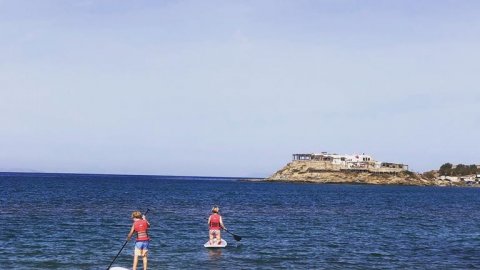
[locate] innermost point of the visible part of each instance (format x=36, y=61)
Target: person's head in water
x=215, y=209
x=137, y=214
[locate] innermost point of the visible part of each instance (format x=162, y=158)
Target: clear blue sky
x=233, y=88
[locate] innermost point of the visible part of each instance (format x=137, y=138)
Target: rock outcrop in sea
x=315, y=172
x=363, y=169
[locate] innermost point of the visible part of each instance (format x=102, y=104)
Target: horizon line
x=148, y=175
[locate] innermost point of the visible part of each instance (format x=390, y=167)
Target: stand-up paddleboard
x=118, y=268
x=215, y=245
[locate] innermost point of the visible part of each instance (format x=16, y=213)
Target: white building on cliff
x=359, y=162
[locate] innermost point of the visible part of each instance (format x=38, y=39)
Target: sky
x=234, y=88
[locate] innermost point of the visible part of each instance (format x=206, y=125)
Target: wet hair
x=136, y=214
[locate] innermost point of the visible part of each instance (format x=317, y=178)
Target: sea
x=74, y=221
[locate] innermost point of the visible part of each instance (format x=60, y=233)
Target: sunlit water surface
x=61, y=221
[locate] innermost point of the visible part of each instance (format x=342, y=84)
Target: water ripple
x=80, y=222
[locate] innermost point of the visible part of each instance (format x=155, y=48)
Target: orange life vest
x=215, y=222
x=141, y=227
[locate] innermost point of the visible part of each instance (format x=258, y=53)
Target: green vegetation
x=429, y=175
x=449, y=170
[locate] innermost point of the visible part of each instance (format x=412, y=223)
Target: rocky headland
x=315, y=172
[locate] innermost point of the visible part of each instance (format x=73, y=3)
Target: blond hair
x=215, y=209
x=136, y=214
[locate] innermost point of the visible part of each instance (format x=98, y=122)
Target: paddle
x=124, y=244
x=236, y=237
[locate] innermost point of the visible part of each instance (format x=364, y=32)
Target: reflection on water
x=214, y=254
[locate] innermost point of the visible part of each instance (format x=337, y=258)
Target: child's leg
x=219, y=238
x=135, y=261
x=210, y=235
x=145, y=260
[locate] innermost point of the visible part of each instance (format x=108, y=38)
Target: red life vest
x=141, y=227
x=215, y=222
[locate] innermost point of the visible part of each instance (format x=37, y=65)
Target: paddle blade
x=236, y=237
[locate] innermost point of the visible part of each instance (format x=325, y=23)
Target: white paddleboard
x=118, y=268
x=215, y=245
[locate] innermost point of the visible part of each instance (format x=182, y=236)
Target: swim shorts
x=141, y=246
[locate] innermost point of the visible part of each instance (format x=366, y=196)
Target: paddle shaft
x=124, y=244
x=236, y=237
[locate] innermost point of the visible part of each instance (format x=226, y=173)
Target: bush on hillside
x=429, y=175
x=447, y=169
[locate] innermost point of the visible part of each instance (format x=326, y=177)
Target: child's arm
x=132, y=230
x=221, y=223
x=145, y=218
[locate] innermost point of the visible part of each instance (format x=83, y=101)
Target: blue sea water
x=68, y=221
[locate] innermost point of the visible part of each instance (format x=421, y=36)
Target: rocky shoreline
x=306, y=172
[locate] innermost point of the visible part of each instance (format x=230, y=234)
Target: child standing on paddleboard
x=140, y=226
x=215, y=222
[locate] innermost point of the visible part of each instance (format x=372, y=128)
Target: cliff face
x=307, y=171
